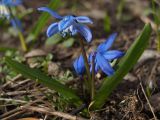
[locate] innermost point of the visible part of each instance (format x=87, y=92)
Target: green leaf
x=42, y=21
x=107, y=23
x=68, y=43
x=125, y=65
x=41, y=77
x=53, y=40
x=4, y=49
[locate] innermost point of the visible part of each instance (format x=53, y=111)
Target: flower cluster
x=71, y=24
x=102, y=58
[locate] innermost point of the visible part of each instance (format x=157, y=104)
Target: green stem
x=86, y=63
x=21, y=37
x=22, y=41
x=93, y=79
x=157, y=24
x=158, y=44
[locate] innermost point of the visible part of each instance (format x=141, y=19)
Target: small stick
x=14, y=93
x=20, y=83
x=47, y=111
x=12, y=80
x=14, y=111
x=155, y=118
x=9, y=113
x=12, y=100
x=13, y=115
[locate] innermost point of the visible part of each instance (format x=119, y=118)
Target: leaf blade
x=41, y=77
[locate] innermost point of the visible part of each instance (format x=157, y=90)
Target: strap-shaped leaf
x=125, y=65
x=36, y=74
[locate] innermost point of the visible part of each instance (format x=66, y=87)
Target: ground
x=21, y=97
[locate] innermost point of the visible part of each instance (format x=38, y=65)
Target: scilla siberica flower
x=79, y=65
x=103, y=56
x=5, y=6
x=69, y=24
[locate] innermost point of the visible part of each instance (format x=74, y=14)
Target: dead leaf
x=35, y=53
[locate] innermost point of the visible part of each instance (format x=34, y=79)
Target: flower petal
x=51, y=12
x=108, y=43
x=113, y=54
x=79, y=65
x=52, y=29
x=104, y=65
x=73, y=30
x=84, y=19
x=84, y=31
x=65, y=23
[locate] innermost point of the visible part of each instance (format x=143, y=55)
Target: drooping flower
x=69, y=24
x=103, y=56
x=79, y=65
x=5, y=5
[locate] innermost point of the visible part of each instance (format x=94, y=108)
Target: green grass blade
x=41, y=77
x=42, y=21
x=126, y=63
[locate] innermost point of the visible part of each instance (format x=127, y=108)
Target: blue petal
x=90, y=61
x=79, y=65
x=12, y=2
x=73, y=30
x=84, y=31
x=51, y=12
x=96, y=68
x=66, y=22
x=113, y=54
x=52, y=29
x=16, y=23
x=95, y=62
x=104, y=65
x=108, y=43
x=84, y=19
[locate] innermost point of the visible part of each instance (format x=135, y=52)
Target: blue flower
x=79, y=65
x=4, y=7
x=16, y=23
x=69, y=24
x=103, y=56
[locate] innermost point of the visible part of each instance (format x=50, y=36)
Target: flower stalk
x=93, y=78
x=86, y=63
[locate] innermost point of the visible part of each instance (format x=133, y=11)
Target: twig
x=155, y=118
x=14, y=111
x=13, y=115
x=150, y=79
x=23, y=92
x=12, y=100
x=9, y=113
x=20, y=83
x=12, y=80
x=55, y=113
